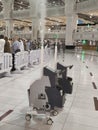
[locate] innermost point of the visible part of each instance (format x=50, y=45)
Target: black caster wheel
x=47, y=107
x=35, y=108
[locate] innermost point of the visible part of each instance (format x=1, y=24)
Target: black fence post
x=13, y=62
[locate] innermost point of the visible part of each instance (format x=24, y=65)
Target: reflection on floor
x=80, y=110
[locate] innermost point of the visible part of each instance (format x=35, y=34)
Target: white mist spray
x=42, y=5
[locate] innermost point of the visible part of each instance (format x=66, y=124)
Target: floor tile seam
x=7, y=104
x=68, y=112
x=13, y=103
x=71, y=106
x=81, y=53
x=93, y=82
x=85, y=86
x=83, y=102
x=18, y=111
x=83, y=115
x=80, y=93
x=5, y=114
x=82, y=124
x=83, y=89
x=19, y=125
x=18, y=77
x=11, y=98
x=19, y=105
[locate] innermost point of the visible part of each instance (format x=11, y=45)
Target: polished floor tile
x=78, y=112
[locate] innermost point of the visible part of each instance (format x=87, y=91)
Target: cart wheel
x=54, y=113
x=47, y=107
x=49, y=121
x=28, y=117
x=35, y=108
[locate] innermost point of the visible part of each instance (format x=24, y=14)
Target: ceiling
x=24, y=4
x=91, y=17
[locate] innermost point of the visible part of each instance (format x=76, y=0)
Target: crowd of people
x=17, y=44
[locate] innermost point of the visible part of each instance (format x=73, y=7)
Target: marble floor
x=79, y=112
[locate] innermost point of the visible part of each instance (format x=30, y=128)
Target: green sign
x=83, y=42
x=88, y=25
x=55, y=36
x=83, y=55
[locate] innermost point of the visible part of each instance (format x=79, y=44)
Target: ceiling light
x=21, y=2
x=21, y=7
x=90, y=16
x=49, y=29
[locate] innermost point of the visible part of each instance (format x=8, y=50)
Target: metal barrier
x=22, y=59
x=47, y=54
x=35, y=56
x=5, y=62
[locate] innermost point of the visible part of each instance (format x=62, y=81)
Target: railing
x=35, y=56
x=5, y=62
x=22, y=59
x=87, y=35
x=93, y=35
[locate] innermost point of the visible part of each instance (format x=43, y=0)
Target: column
x=9, y=27
x=34, y=17
x=71, y=21
x=35, y=28
x=7, y=10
